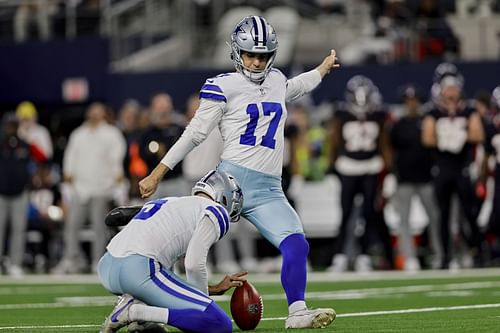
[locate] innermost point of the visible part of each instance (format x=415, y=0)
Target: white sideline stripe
x=433, y=309
x=271, y=278
x=342, y=315
x=380, y=292
x=46, y=327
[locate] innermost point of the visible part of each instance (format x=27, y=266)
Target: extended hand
x=329, y=63
x=148, y=186
x=229, y=281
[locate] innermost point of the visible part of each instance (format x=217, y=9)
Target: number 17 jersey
x=250, y=117
x=252, y=120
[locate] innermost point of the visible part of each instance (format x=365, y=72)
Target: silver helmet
x=254, y=35
x=362, y=95
x=223, y=189
x=445, y=74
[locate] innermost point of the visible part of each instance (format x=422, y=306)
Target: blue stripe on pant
x=148, y=281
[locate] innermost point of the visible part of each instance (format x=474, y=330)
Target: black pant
x=351, y=185
x=448, y=182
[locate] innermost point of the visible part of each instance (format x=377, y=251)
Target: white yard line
x=46, y=327
x=361, y=293
x=404, y=311
x=341, y=315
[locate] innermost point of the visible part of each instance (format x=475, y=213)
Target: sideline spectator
x=92, y=167
x=32, y=132
x=158, y=138
x=15, y=157
x=32, y=21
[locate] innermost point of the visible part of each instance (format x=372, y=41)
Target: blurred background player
x=249, y=107
x=452, y=129
x=412, y=165
x=359, y=155
x=492, y=148
x=139, y=260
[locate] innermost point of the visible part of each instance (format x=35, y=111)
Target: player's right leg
x=168, y=299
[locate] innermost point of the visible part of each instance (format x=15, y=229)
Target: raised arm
x=306, y=82
x=206, y=118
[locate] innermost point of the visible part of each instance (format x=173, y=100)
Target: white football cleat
x=339, y=264
x=119, y=316
x=316, y=318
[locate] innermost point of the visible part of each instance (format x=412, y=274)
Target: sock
x=296, y=306
x=294, y=250
x=143, y=312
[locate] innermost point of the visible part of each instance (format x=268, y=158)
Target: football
x=246, y=306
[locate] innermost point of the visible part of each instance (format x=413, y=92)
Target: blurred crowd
x=438, y=150
x=380, y=31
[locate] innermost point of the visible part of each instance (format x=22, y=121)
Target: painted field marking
x=46, y=327
x=321, y=295
x=404, y=311
x=341, y=315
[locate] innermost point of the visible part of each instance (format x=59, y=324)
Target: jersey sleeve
x=219, y=217
x=205, y=119
x=212, y=90
x=195, y=262
x=302, y=84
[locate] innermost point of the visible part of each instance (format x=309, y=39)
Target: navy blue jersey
x=360, y=137
x=453, y=150
x=413, y=161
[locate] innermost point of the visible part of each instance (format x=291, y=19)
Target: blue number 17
x=249, y=138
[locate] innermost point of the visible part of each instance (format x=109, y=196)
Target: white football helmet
x=362, y=95
x=445, y=74
x=223, y=189
x=254, y=35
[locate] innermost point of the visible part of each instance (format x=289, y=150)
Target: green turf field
x=464, y=301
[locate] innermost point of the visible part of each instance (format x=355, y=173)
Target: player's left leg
x=279, y=223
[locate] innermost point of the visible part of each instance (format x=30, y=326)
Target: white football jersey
x=251, y=118
x=163, y=229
